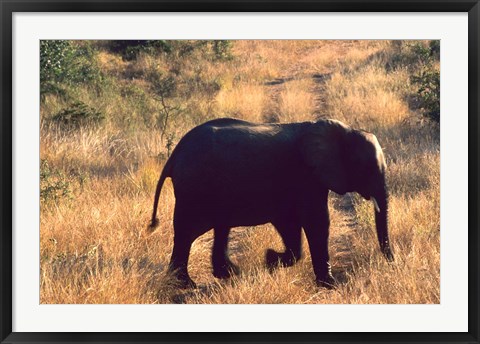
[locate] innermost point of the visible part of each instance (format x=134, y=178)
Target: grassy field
x=106, y=137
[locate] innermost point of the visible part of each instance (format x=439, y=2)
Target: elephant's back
x=231, y=141
x=225, y=121
x=228, y=155
x=211, y=139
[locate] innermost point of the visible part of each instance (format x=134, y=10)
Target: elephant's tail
x=163, y=176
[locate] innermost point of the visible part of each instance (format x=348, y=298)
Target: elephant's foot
x=276, y=259
x=273, y=259
x=327, y=281
x=187, y=283
x=182, y=279
x=387, y=252
x=225, y=270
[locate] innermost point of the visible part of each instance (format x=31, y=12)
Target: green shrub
x=55, y=58
x=184, y=48
x=78, y=115
x=427, y=79
x=84, y=68
x=435, y=49
x=162, y=85
x=411, y=55
x=129, y=49
x=222, y=49
x=138, y=103
x=428, y=92
x=65, y=63
x=420, y=51
x=164, y=89
x=211, y=49
x=421, y=59
x=120, y=46
x=54, y=185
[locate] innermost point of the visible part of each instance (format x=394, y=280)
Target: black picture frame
x=8, y=7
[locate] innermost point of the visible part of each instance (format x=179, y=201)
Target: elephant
x=231, y=173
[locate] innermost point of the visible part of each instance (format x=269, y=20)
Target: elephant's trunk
x=381, y=221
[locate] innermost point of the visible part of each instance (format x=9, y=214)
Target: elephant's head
x=347, y=160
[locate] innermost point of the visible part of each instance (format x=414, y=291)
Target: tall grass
x=94, y=245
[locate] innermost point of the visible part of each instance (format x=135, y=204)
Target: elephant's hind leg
x=178, y=266
x=186, y=231
x=291, y=234
x=222, y=265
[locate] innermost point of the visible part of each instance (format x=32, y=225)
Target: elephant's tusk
x=375, y=204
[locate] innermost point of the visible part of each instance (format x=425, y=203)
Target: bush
x=78, y=115
x=435, y=49
x=163, y=85
x=84, y=68
x=129, y=49
x=212, y=49
x=428, y=92
x=421, y=52
x=55, y=57
x=222, y=50
x=428, y=79
x=421, y=59
x=54, y=185
x=66, y=62
x=411, y=55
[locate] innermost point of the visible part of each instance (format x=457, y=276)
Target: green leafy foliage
x=411, y=55
x=66, y=62
x=54, y=184
x=164, y=87
x=55, y=58
x=129, y=49
x=421, y=59
x=84, y=68
x=420, y=51
x=78, y=115
x=435, y=49
x=428, y=81
x=162, y=84
x=222, y=49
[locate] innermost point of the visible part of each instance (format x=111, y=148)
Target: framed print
x=254, y=172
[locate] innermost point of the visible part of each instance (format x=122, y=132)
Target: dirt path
x=303, y=69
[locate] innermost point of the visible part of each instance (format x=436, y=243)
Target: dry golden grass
x=245, y=101
x=94, y=244
x=296, y=101
x=368, y=95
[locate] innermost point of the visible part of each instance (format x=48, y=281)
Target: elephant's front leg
x=222, y=265
x=316, y=226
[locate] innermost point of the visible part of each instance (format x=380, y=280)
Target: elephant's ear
x=323, y=149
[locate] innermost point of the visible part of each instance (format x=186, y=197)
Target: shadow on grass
x=278, y=81
x=202, y=290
